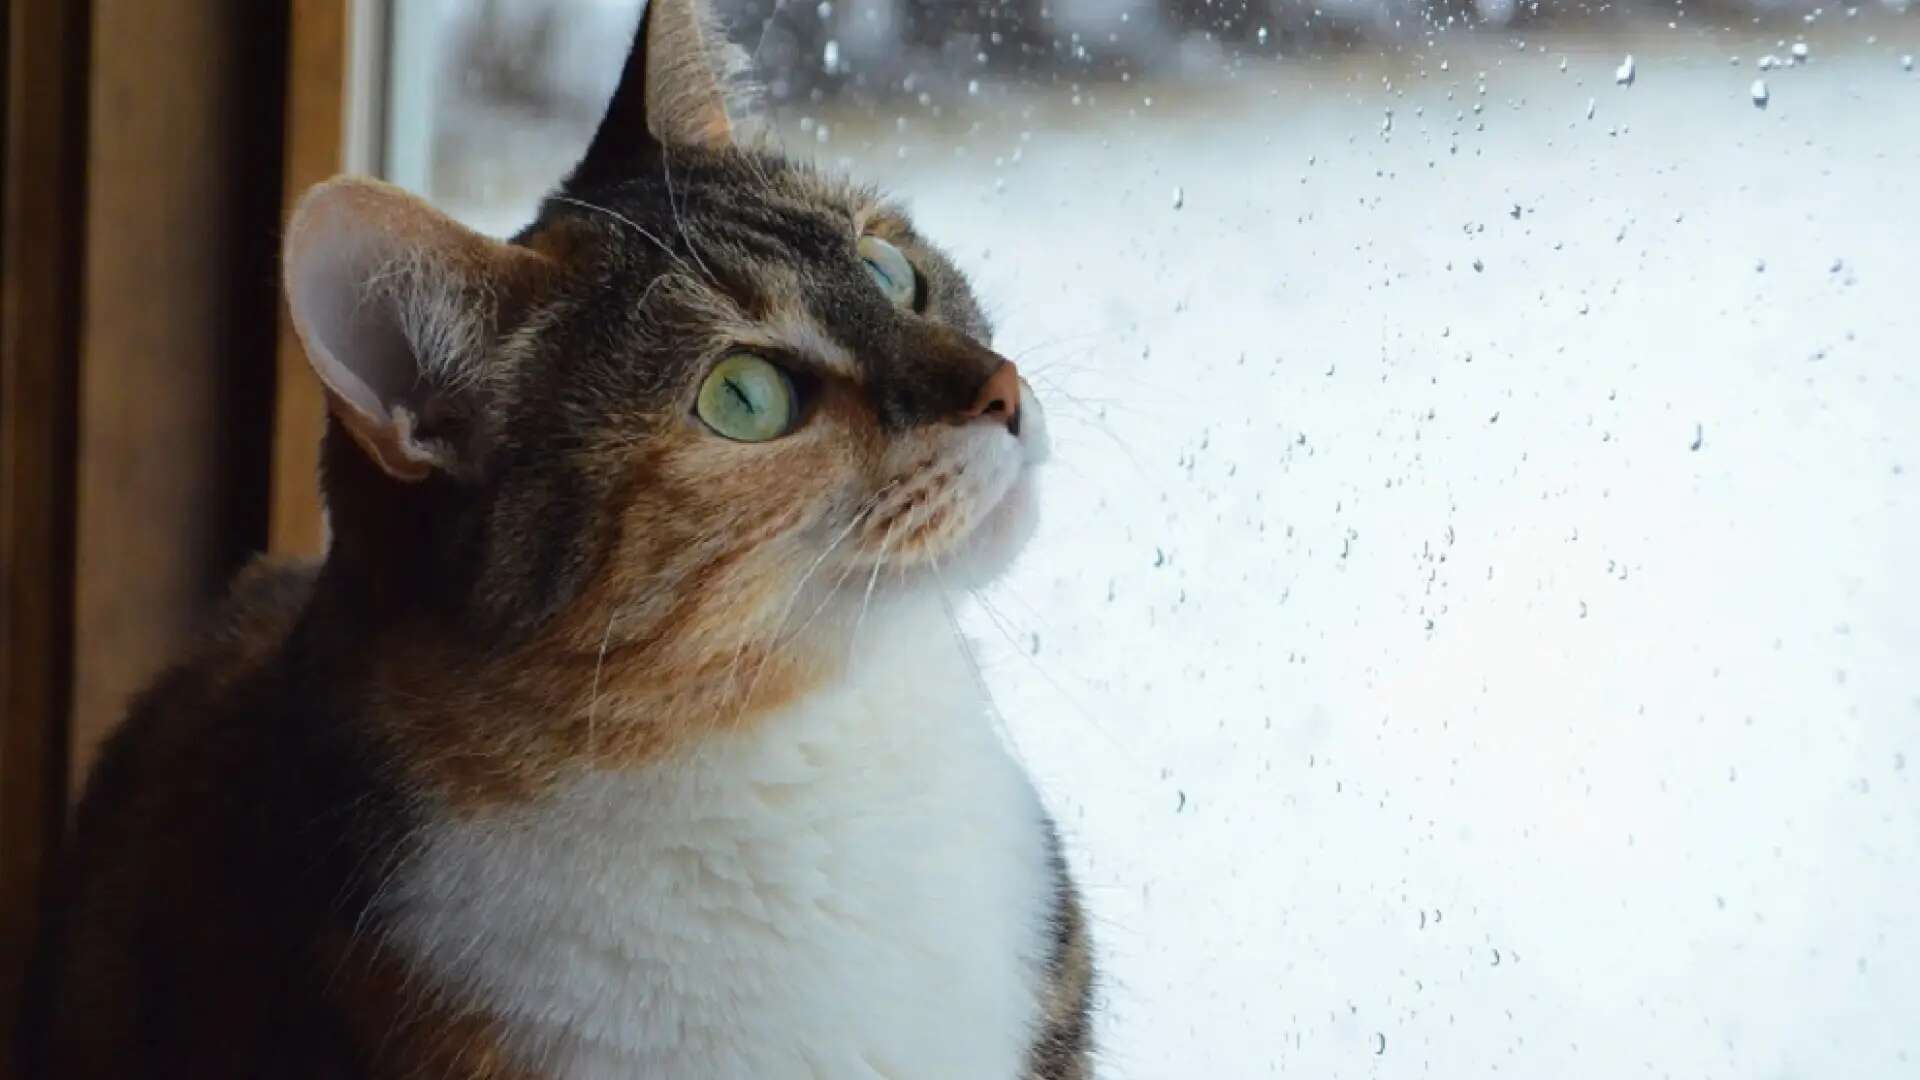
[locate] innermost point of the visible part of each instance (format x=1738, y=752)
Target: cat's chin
x=993, y=545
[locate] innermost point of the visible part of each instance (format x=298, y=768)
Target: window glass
x=1476, y=624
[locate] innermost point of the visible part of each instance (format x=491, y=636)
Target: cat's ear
x=673, y=92
x=397, y=306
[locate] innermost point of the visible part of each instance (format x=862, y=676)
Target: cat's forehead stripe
x=792, y=326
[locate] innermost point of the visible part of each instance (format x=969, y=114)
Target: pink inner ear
x=337, y=323
x=343, y=243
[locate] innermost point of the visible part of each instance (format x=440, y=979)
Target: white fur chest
x=858, y=887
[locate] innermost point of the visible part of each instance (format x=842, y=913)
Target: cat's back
x=206, y=858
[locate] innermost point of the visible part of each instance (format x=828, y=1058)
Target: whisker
x=871, y=504
x=680, y=221
x=1000, y=622
x=600, y=662
x=624, y=220
x=879, y=561
x=966, y=651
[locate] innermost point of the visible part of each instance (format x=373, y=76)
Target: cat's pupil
x=745, y=401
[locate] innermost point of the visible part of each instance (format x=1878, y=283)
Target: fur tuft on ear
x=397, y=306
x=680, y=79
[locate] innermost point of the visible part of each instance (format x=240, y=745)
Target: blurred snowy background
x=1477, y=628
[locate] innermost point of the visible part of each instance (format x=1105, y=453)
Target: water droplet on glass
x=825, y=10
x=1838, y=265
x=1799, y=50
x=1906, y=62
x=830, y=56
x=1179, y=197
x=1261, y=35
x=1478, y=266
x=1768, y=62
x=1759, y=92
x=1699, y=436
x=1379, y=1044
x=1624, y=73
x=1590, y=103
x=973, y=87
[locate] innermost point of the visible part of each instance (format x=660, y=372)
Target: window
x=1474, y=628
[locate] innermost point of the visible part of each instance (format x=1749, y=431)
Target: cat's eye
x=748, y=399
x=890, y=270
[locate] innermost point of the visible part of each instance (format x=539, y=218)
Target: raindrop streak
x=1624, y=73
x=1759, y=92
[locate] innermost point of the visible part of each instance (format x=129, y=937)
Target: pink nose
x=1000, y=397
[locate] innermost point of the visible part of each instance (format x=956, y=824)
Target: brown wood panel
x=182, y=197
x=317, y=66
x=40, y=233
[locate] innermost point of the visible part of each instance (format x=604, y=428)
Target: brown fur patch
x=1064, y=1049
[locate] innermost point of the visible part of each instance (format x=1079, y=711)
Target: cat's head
x=708, y=404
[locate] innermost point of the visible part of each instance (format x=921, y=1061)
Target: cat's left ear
x=674, y=91
x=399, y=308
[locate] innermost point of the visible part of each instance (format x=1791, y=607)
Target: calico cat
x=624, y=730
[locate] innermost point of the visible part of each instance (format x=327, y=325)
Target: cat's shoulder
x=184, y=722
x=263, y=603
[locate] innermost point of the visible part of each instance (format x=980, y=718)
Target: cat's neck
x=472, y=726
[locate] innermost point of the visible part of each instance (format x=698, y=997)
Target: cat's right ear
x=397, y=306
x=679, y=80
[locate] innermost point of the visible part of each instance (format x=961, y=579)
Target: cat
x=624, y=729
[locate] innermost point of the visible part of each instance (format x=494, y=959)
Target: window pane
x=1474, y=624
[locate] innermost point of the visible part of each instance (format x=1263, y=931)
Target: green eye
x=890, y=269
x=747, y=399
